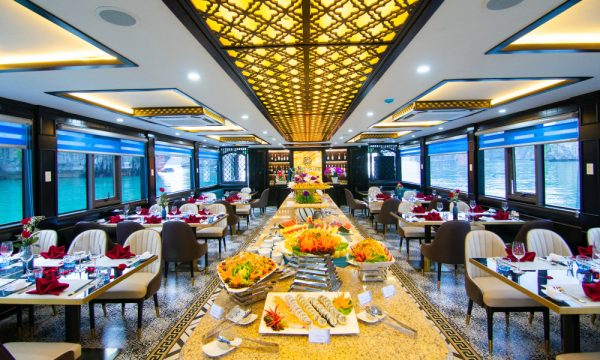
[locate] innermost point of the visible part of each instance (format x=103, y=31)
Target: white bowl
x=264, y=252
x=277, y=257
x=252, y=249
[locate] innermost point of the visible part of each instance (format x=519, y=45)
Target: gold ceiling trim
x=305, y=60
x=237, y=139
x=173, y=111
x=378, y=135
x=441, y=105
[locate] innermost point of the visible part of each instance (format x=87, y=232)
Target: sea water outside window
x=448, y=163
x=556, y=141
x=13, y=153
x=410, y=164
x=494, y=173
x=208, y=167
x=116, y=174
x=173, y=167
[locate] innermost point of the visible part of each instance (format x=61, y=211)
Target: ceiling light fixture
x=265, y=132
x=193, y=76
x=97, y=100
x=119, y=120
x=245, y=117
x=370, y=113
x=412, y=136
x=502, y=111
x=441, y=128
x=349, y=130
x=423, y=69
x=176, y=134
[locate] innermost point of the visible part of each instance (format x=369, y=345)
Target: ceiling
x=160, y=52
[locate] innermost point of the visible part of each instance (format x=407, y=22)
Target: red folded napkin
x=420, y=196
x=433, y=216
x=202, y=197
x=428, y=198
x=592, y=290
x=478, y=209
x=529, y=256
x=192, y=219
x=191, y=200
x=586, y=250
x=48, y=286
x=115, y=219
x=382, y=196
x=54, y=252
x=144, y=211
x=204, y=211
x=152, y=219
x=119, y=252
x=419, y=210
x=502, y=215
x=178, y=212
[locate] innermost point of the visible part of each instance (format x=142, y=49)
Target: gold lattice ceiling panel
x=306, y=60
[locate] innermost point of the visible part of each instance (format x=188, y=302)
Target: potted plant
x=163, y=202
x=335, y=172
x=454, y=199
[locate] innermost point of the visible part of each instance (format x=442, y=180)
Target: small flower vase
x=27, y=254
x=455, y=212
x=163, y=213
x=334, y=179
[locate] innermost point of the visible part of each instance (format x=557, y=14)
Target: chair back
x=126, y=228
x=385, y=216
x=219, y=209
x=146, y=240
x=462, y=206
x=179, y=242
x=246, y=190
x=263, y=201
x=481, y=244
x=179, y=203
x=349, y=198
x=189, y=208
x=449, y=244
x=433, y=204
x=408, y=194
x=82, y=226
x=593, y=237
x=87, y=240
x=534, y=224
x=46, y=238
x=154, y=208
x=232, y=218
x=244, y=196
x=210, y=196
x=373, y=191
x=544, y=242
x=404, y=207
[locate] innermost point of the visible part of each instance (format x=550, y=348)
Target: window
x=116, y=170
x=234, y=165
x=72, y=182
x=14, y=163
x=494, y=171
x=208, y=167
x=132, y=179
x=173, y=168
x=561, y=174
x=382, y=162
x=410, y=164
x=524, y=169
x=448, y=164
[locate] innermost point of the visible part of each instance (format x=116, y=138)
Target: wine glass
x=518, y=250
x=439, y=206
x=433, y=192
x=26, y=257
x=138, y=210
x=174, y=210
x=6, y=248
x=79, y=255
x=95, y=253
x=472, y=205
x=505, y=206
x=125, y=210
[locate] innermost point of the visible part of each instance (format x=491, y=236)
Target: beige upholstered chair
x=462, y=206
x=154, y=208
x=140, y=286
x=46, y=238
x=40, y=351
x=373, y=191
x=246, y=190
x=243, y=211
x=545, y=242
x=408, y=194
x=593, y=236
x=189, y=208
x=493, y=294
x=87, y=240
x=210, y=196
x=217, y=231
x=406, y=231
x=579, y=356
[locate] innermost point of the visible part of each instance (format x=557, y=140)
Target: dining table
x=375, y=340
x=553, y=284
x=84, y=286
x=209, y=222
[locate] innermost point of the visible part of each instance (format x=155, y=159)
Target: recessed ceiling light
x=370, y=113
x=341, y=137
x=265, y=132
x=335, y=143
x=119, y=120
x=423, y=69
x=279, y=144
x=204, y=140
x=441, y=128
x=193, y=76
x=176, y=134
x=245, y=117
x=349, y=130
x=412, y=136
x=273, y=138
x=502, y=111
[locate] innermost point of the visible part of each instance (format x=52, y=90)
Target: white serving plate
x=372, y=266
x=216, y=348
x=282, y=249
x=232, y=290
x=350, y=328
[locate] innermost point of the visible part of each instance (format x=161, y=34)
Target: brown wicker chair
x=449, y=245
x=354, y=204
x=180, y=245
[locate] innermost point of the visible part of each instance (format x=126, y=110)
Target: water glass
x=518, y=250
x=433, y=192
x=125, y=210
x=174, y=210
x=138, y=210
x=440, y=206
x=36, y=273
x=6, y=248
x=472, y=205
x=68, y=263
x=505, y=205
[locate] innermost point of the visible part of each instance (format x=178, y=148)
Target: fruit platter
x=370, y=254
x=294, y=313
x=315, y=241
x=244, y=270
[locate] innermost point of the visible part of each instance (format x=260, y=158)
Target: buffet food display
x=308, y=189
x=244, y=270
x=316, y=241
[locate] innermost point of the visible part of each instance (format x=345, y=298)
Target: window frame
x=511, y=186
x=481, y=166
x=143, y=179
x=228, y=150
x=218, y=169
x=192, y=166
x=99, y=203
x=87, y=184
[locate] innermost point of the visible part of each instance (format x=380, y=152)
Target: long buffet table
x=374, y=341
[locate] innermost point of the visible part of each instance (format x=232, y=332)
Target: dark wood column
x=151, y=171
x=44, y=177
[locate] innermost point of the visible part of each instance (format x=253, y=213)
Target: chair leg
x=247, y=222
x=546, y=315
x=155, y=297
x=407, y=249
x=166, y=271
x=531, y=317
x=490, y=328
x=230, y=230
x=91, y=306
x=31, y=318
x=224, y=243
x=104, y=309
x=54, y=311
x=469, y=309
x=19, y=320
x=219, y=248
x=206, y=263
x=594, y=319
x=507, y=319
x=140, y=309
x=439, y=274
x=192, y=271
x=122, y=309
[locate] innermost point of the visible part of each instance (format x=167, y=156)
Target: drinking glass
x=518, y=250
x=433, y=192
x=472, y=205
x=79, y=255
x=138, y=210
x=6, y=248
x=174, y=210
x=95, y=253
x=26, y=257
x=126, y=210
x=440, y=206
x=505, y=205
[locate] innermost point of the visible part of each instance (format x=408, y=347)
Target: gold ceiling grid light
x=33, y=39
x=306, y=60
x=239, y=139
x=378, y=136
